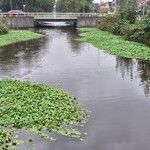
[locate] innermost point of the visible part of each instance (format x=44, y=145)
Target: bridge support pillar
x=75, y=24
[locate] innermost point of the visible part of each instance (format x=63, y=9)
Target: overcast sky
x=98, y=1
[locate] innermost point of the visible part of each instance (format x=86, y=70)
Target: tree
x=31, y=5
x=74, y=5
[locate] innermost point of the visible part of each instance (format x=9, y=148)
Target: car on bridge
x=15, y=13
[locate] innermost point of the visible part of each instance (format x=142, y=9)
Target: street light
x=24, y=7
x=11, y=7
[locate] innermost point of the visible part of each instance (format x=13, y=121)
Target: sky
x=98, y=1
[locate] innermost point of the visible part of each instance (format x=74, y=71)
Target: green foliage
x=3, y=29
x=18, y=35
x=38, y=108
x=115, y=44
x=124, y=23
x=117, y=22
x=106, y=23
x=31, y=5
x=139, y=31
x=2, y=20
x=112, y=23
x=74, y=5
x=147, y=23
x=127, y=12
x=6, y=139
x=147, y=29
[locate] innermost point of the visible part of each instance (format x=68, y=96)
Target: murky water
x=114, y=89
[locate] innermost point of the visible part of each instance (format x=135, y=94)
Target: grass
x=115, y=44
x=38, y=108
x=14, y=36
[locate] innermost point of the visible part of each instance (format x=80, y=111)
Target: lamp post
x=11, y=5
x=24, y=7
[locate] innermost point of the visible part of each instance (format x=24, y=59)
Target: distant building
x=106, y=7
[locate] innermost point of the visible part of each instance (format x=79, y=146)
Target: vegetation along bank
x=125, y=33
x=14, y=36
x=115, y=44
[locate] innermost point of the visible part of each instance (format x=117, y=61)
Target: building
x=106, y=7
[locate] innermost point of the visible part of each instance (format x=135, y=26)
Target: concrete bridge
x=33, y=18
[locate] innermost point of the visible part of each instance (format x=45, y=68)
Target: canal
x=115, y=90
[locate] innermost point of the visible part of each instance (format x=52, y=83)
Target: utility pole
x=11, y=6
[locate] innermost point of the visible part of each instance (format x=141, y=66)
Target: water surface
x=116, y=90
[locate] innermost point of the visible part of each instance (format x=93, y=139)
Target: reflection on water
x=116, y=90
x=125, y=67
x=19, y=59
x=144, y=72
x=133, y=69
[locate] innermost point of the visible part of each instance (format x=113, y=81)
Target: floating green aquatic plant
x=114, y=44
x=14, y=36
x=6, y=139
x=38, y=108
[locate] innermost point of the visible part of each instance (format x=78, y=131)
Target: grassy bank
x=14, y=36
x=115, y=44
x=38, y=108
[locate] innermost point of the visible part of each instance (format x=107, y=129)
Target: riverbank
x=17, y=36
x=114, y=44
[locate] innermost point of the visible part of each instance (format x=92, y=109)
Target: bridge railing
x=62, y=14
x=57, y=15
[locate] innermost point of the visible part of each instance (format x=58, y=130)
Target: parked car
x=15, y=13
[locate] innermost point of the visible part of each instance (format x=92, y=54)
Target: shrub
x=2, y=19
x=106, y=22
x=109, y=23
x=117, y=23
x=147, y=29
x=138, y=36
x=128, y=13
x=124, y=23
x=130, y=29
x=138, y=32
x=147, y=23
x=112, y=24
x=3, y=29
